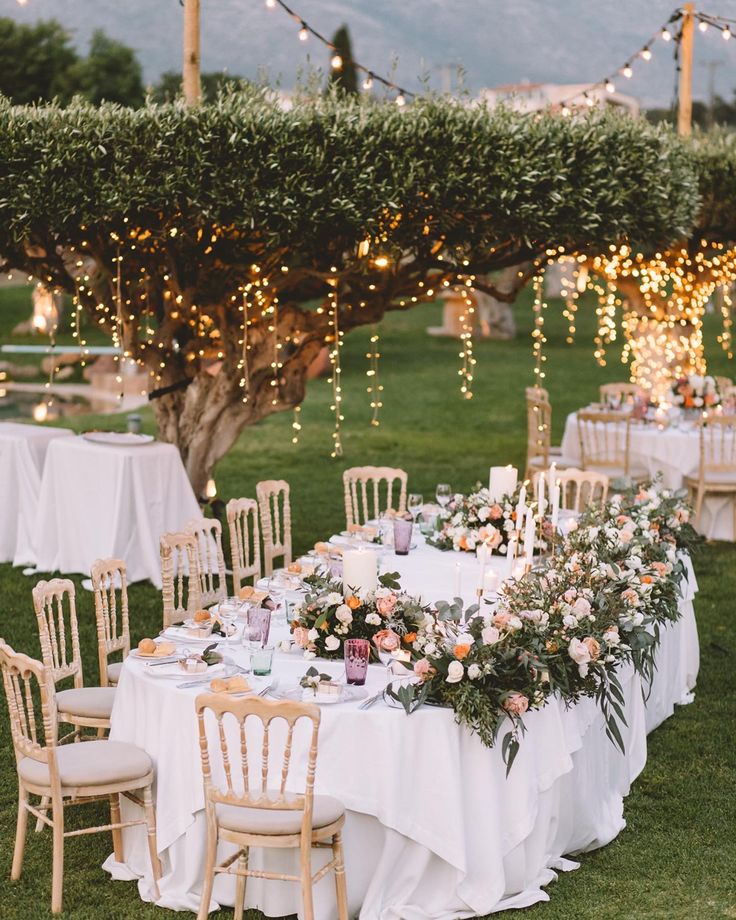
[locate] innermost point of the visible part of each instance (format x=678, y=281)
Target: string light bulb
x=627, y=71
x=726, y=34
x=666, y=35
x=703, y=25
x=400, y=100
x=610, y=87
x=646, y=54
x=270, y=4
x=336, y=62
x=368, y=82
x=303, y=33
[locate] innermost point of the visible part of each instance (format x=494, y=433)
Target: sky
x=494, y=41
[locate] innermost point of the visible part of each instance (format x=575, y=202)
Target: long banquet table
x=435, y=830
x=675, y=453
x=23, y=451
x=109, y=500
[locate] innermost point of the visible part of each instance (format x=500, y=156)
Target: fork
x=366, y=704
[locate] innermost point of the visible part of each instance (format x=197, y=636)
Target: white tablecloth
x=22, y=456
x=101, y=500
x=673, y=452
x=434, y=830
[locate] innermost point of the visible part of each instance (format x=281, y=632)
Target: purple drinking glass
x=260, y=619
x=357, y=653
x=402, y=536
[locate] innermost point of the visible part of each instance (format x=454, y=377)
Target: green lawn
x=677, y=858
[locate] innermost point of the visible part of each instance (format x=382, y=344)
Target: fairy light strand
x=374, y=388
x=335, y=361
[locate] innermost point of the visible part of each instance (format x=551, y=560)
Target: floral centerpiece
x=695, y=391
x=470, y=521
x=387, y=617
x=563, y=628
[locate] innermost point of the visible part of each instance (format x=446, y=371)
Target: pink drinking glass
x=357, y=653
x=402, y=536
x=259, y=618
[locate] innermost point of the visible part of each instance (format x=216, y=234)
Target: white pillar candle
x=458, y=581
x=555, y=502
x=491, y=582
x=511, y=555
x=502, y=481
x=541, y=501
x=359, y=571
x=521, y=508
x=529, y=537
x=482, y=554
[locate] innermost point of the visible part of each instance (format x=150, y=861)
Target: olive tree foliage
x=241, y=205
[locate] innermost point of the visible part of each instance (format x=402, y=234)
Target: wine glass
x=443, y=494
x=414, y=504
x=228, y=612
x=277, y=593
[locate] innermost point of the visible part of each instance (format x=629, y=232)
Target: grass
x=676, y=859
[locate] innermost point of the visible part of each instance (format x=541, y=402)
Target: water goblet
x=414, y=504
x=443, y=494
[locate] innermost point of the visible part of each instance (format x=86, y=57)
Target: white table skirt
x=22, y=457
x=673, y=452
x=101, y=500
x=434, y=830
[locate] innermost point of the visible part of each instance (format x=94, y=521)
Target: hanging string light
x=296, y=424
x=539, y=339
x=467, y=361
x=118, y=329
x=335, y=361
x=243, y=364
x=374, y=388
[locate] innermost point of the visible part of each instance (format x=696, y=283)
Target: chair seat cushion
x=113, y=671
x=90, y=763
x=724, y=478
x=87, y=702
x=244, y=820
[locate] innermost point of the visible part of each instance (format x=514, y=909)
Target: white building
x=531, y=97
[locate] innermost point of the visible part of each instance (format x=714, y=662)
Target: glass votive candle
x=357, y=653
x=402, y=536
x=261, y=660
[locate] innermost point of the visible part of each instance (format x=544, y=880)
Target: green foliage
x=110, y=73
x=168, y=89
x=346, y=77
x=714, y=155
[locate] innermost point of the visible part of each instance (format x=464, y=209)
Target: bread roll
x=147, y=647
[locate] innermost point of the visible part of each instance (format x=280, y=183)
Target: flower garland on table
x=473, y=520
x=695, y=392
x=564, y=628
x=387, y=616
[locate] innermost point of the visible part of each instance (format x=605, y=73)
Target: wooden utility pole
x=191, y=83
x=685, y=93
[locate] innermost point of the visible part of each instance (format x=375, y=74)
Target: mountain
x=494, y=41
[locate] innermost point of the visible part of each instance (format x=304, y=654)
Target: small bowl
x=193, y=665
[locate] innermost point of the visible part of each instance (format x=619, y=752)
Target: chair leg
x=20, y=833
x=43, y=805
x=240, y=886
x=209, y=869
x=340, y=881
x=699, y=506
x=152, y=843
x=306, y=874
x=57, y=874
x=117, y=834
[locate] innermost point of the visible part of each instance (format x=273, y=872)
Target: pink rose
x=301, y=636
x=516, y=704
x=490, y=635
x=593, y=646
x=502, y=618
x=385, y=605
x=387, y=640
x=625, y=536
x=631, y=597
x=423, y=669
x=491, y=536
x=495, y=513
x=570, y=595
x=581, y=607
x=661, y=568
x=580, y=654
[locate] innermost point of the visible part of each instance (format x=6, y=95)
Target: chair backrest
x=58, y=629
x=29, y=691
x=210, y=559
x=604, y=439
x=538, y=426
x=180, y=576
x=363, y=488
x=536, y=392
x=619, y=392
x=110, y=586
x=245, y=540
x=275, y=509
x=247, y=779
x=717, y=444
x=578, y=488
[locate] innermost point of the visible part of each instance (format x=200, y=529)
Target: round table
x=672, y=452
x=434, y=827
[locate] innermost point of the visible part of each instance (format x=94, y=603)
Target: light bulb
x=400, y=101
x=336, y=62
x=270, y=4
x=303, y=33
x=726, y=34
x=666, y=35
x=210, y=490
x=703, y=25
x=627, y=71
x=610, y=88
x=565, y=111
x=646, y=54
x=589, y=101
x=368, y=82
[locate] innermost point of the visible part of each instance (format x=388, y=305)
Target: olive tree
x=242, y=232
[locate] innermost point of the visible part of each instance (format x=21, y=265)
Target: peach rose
x=491, y=536
x=353, y=602
x=661, y=568
x=423, y=669
x=385, y=605
x=386, y=640
x=461, y=651
x=301, y=636
x=593, y=646
x=516, y=704
x=501, y=618
x=631, y=597
x=495, y=512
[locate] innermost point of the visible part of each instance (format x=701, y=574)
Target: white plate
x=118, y=438
x=348, y=694
x=134, y=653
x=179, y=634
x=174, y=669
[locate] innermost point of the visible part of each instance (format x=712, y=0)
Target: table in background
x=435, y=830
x=673, y=452
x=102, y=500
x=22, y=455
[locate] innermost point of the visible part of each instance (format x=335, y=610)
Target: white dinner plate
x=118, y=438
x=348, y=694
x=179, y=634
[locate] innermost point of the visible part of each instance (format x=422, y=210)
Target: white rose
x=579, y=653
x=474, y=672
x=581, y=607
x=373, y=619
x=514, y=623
x=611, y=637
x=313, y=635
x=483, y=513
x=490, y=635
x=570, y=621
x=344, y=614
x=430, y=649
x=464, y=639
x=455, y=672
x=333, y=598
x=310, y=654
x=383, y=592
x=332, y=643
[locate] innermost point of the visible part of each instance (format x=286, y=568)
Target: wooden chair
x=620, y=393
x=210, y=560
x=539, y=450
x=80, y=706
x=605, y=439
x=245, y=540
x=579, y=488
x=275, y=510
x=717, y=467
x=250, y=812
x=180, y=576
x=70, y=774
x=113, y=629
x=360, y=482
